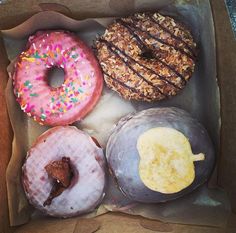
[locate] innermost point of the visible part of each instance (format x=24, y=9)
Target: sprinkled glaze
x=79, y=92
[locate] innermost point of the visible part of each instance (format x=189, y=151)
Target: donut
x=159, y=154
x=146, y=57
x=83, y=79
x=64, y=172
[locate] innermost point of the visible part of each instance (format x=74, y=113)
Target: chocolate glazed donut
x=146, y=57
x=133, y=158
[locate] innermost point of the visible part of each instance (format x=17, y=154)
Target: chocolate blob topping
x=61, y=173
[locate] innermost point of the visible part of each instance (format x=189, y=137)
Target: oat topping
x=146, y=56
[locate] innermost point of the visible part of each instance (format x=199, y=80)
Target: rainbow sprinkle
x=62, y=99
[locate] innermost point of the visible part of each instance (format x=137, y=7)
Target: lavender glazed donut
x=64, y=172
x=82, y=85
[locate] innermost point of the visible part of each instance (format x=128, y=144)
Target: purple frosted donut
x=64, y=173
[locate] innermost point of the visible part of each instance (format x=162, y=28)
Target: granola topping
x=146, y=56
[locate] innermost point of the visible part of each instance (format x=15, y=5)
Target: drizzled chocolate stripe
x=142, y=46
x=127, y=87
x=132, y=25
x=110, y=45
x=173, y=35
x=145, y=67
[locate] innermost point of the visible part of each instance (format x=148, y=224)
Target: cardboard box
x=13, y=13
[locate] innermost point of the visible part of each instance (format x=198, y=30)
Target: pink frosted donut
x=82, y=85
x=86, y=188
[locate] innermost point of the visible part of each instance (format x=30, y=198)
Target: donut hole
x=55, y=76
x=148, y=54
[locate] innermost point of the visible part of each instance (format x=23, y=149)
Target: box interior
x=226, y=55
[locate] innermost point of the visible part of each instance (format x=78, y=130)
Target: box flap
x=226, y=51
x=5, y=139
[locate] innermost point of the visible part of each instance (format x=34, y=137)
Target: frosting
x=166, y=160
x=55, y=49
x=83, y=192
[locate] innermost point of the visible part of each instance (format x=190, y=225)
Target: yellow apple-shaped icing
x=166, y=160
